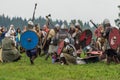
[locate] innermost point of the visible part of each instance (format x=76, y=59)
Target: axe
x=47, y=23
x=48, y=20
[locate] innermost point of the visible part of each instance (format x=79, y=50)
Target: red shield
x=85, y=38
x=114, y=38
x=60, y=47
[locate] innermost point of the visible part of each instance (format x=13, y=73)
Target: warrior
x=46, y=40
x=9, y=51
x=71, y=32
x=32, y=54
x=53, y=36
x=107, y=28
x=76, y=35
x=36, y=28
x=24, y=30
x=11, y=33
x=63, y=33
x=66, y=55
x=100, y=40
x=72, y=29
x=111, y=53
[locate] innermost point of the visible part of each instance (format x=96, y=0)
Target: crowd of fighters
x=49, y=42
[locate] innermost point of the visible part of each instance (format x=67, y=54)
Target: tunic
x=9, y=53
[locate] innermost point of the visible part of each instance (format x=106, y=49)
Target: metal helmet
x=30, y=25
x=72, y=26
x=57, y=26
x=106, y=21
x=77, y=24
x=63, y=26
x=67, y=40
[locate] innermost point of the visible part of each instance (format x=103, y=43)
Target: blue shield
x=29, y=40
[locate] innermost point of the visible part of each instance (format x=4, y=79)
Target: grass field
x=45, y=70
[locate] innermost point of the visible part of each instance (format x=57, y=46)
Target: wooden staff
x=47, y=24
x=93, y=23
x=34, y=12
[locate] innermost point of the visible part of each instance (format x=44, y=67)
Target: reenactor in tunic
x=72, y=29
x=53, y=36
x=76, y=35
x=111, y=53
x=63, y=33
x=9, y=51
x=107, y=27
x=66, y=55
x=37, y=30
x=45, y=41
x=32, y=54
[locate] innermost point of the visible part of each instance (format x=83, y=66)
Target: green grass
x=45, y=70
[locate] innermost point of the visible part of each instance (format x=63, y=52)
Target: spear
x=93, y=23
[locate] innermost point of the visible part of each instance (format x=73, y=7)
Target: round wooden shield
x=29, y=40
x=114, y=38
x=85, y=38
x=60, y=47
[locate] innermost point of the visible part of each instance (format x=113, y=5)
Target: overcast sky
x=97, y=10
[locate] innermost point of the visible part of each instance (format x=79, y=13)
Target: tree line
x=20, y=22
